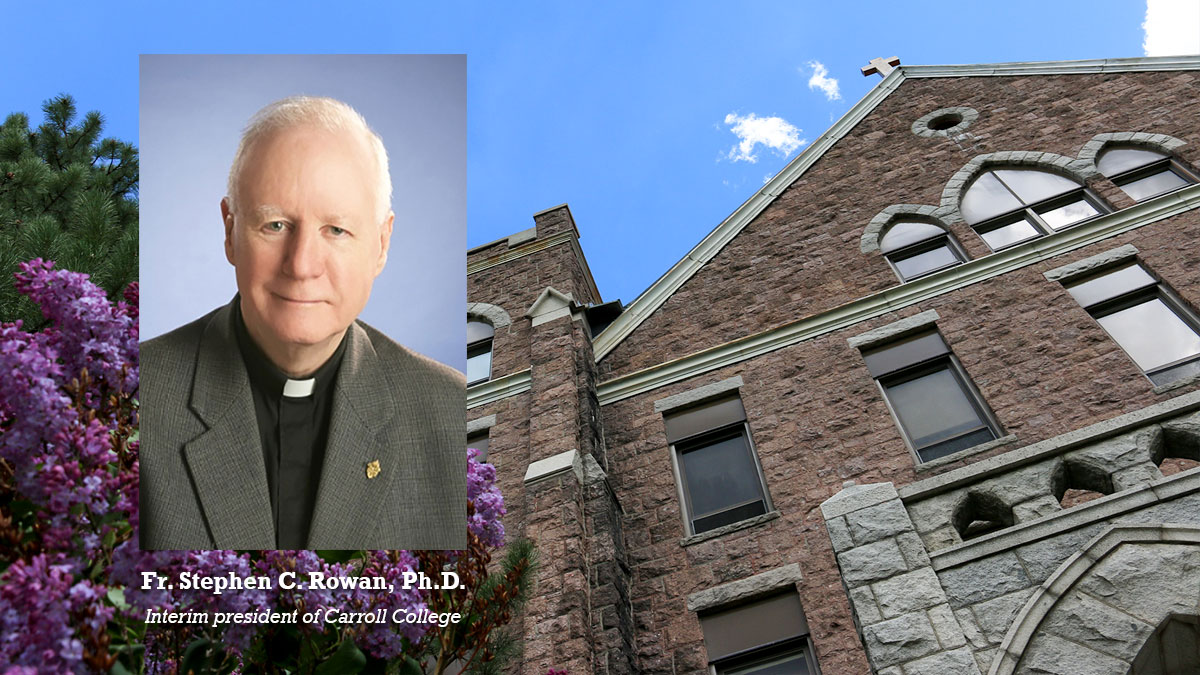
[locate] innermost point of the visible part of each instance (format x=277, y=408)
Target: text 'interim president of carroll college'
x=280, y=421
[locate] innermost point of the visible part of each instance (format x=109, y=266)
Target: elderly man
x=279, y=420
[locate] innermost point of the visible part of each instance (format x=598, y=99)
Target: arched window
x=1009, y=206
x=479, y=351
x=915, y=249
x=1141, y=173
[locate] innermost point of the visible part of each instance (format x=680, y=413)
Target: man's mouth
x=298, y=301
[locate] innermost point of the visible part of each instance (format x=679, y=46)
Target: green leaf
x=119, y=669
x=347, y=659
x=117, y=597
x=411, y=667
x=195, y=658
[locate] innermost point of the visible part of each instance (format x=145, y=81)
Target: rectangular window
x=479, y=441
x=934, y=403
x=718, y=471
x=764, y=637
x=1146, y=319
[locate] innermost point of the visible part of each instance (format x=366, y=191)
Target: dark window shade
x=704, y=418
x=752, y=625
x=904, y=353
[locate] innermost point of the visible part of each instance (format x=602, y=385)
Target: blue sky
x=625, y=110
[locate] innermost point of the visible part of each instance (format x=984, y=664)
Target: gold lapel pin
x=373, y=468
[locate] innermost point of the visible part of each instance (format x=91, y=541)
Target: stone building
x=927, y=403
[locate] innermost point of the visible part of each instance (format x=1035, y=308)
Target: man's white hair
x=326, y=113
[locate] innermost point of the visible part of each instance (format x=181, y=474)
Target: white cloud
x=820, y=80
x=1172, y=27
x=772, y=132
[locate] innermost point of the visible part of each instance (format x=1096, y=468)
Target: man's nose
x=305, y=257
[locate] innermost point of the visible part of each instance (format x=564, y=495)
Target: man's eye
x=337, y=231
x=276, y=226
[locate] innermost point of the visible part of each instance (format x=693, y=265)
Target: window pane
x=479, y=367
x=1032, y=185
x=903, y=234
x=933, y=407
x=1121, y=280
x=928, y=261
x=720, y=475
x=478, y=330
x=788, y=664
x=1116, y=161
x=1009, y=234
x=1154, y=184
x=480, y=443
x=949, y=447
x=1152, y=334
x=1068, y=214
x=986, y=198
x=1175, y=373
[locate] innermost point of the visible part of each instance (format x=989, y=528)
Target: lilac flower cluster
x=66, y=417
x=489, y=504
x=39, y=605
x=57, y=432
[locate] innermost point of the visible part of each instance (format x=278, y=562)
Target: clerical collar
x=268, y=377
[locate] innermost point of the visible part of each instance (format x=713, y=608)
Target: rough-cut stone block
x=865, y=606
x=892, y=330
x=878, y=522
x=946, y=627
x=908, y=592
x=1138, y=475
x=943, y=537
x=957, y=662
x=970, y=628
x=871, y=563
x=1120, y=452
x=1147, y=580
x=857, y=497
x=913, y=550
x=744, y=589
x=983, y=580
x=839, y=534
x=1049, y=654
x=995, y=616
x=905, y=638
x=1041, y=558
x=984, y=658
x=1035, y=508
x=1080, y=618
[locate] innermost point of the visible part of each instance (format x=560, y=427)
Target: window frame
x=1167, y=163
x=1031, y=213
x=480, y=347
x=1158, y=290
x=706, y=439
x=486, y=436
x=925, y=366
x=924, y=246
x=780, y=648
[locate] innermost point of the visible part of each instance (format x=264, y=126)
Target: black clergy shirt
x=293, y=425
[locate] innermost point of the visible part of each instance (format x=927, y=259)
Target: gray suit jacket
x=203, y=478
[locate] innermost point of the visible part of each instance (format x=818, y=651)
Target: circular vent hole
x=944, y=122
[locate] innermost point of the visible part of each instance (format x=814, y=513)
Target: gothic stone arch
x=1102, y=605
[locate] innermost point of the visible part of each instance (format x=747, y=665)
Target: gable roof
x=653, y=297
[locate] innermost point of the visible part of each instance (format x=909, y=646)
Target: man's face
x=306, y=238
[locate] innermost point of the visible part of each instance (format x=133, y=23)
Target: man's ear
x=227, y=219
x=385, y=240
